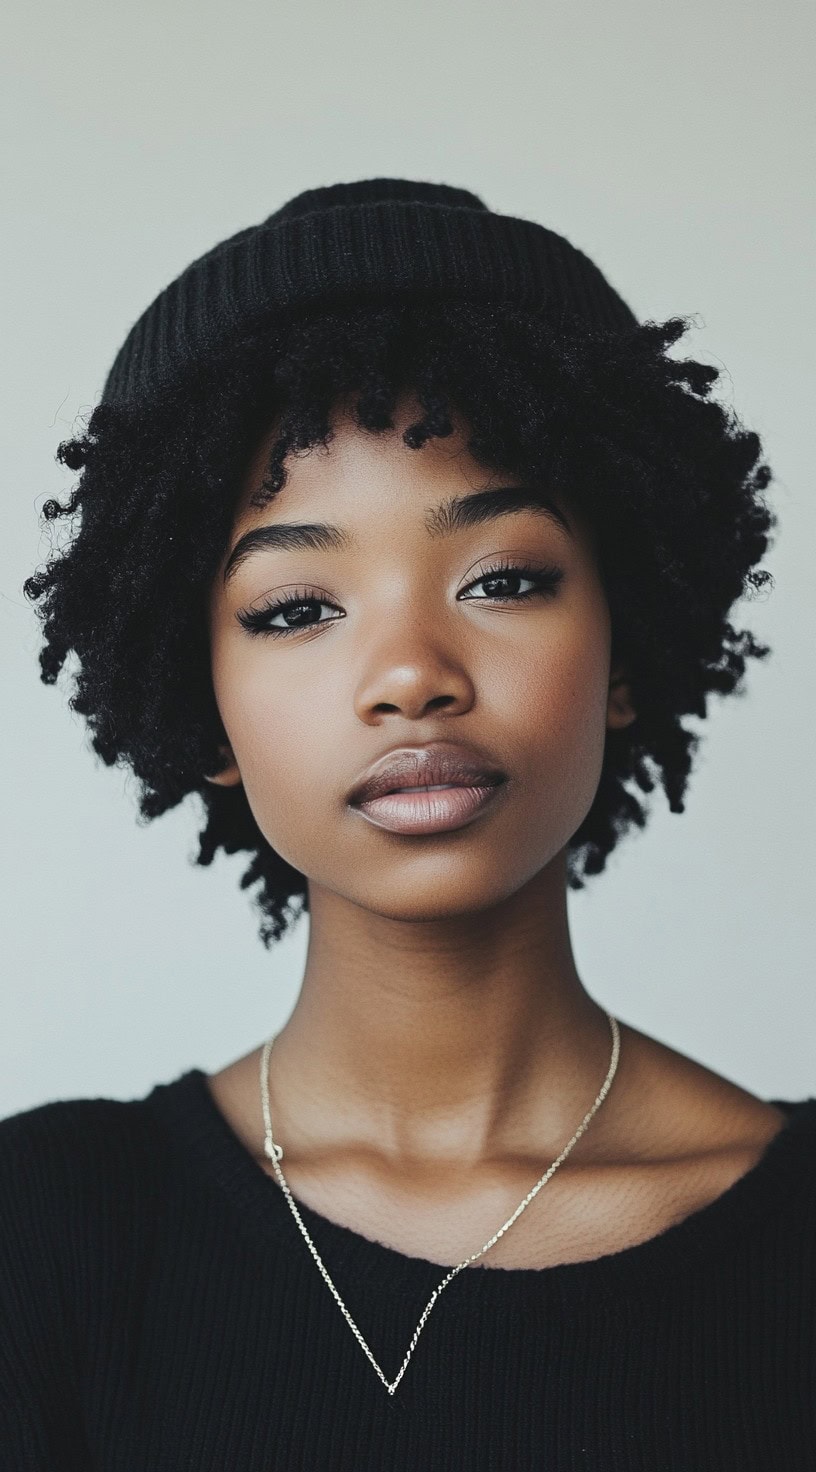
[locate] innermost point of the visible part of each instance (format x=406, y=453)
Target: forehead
x=355, y=457
x=331, y=490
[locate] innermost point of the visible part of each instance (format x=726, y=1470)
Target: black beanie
x=372, y=239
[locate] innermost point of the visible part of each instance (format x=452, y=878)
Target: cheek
x=557, y=695
x=278, y=737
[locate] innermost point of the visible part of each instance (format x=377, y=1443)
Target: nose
x=409, y=672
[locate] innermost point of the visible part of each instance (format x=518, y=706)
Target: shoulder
x=69, y=1171
x=60, y=1138
x=698, y=1137
x=675, y=1107
x=75, y=1183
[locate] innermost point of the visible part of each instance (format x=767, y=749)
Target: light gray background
x=675, y=145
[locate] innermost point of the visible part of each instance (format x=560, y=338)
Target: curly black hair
x=670, y=481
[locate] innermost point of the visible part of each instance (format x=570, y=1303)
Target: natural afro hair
x=670, y=481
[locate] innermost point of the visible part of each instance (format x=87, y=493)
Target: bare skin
x=443, y=1047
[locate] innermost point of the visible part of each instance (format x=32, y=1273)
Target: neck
x=472, y=1035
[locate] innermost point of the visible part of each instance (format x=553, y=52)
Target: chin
x=437, y=898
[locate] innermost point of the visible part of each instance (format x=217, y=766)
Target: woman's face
x=400, y=636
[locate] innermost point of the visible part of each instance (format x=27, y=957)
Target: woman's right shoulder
x=82, y=1187
x=70, y=1126
x=73, y=1158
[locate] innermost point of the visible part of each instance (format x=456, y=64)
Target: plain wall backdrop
x=674, y=144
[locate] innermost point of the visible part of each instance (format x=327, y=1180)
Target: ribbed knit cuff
x=403, y=249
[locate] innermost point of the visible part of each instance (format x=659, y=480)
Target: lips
x=437, y=765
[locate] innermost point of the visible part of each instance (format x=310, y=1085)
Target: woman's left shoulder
x=797, y=1130
x=717, y=1127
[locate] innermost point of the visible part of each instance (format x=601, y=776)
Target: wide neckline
x=206, y=1144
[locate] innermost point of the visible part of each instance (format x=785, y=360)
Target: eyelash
x=546, y=580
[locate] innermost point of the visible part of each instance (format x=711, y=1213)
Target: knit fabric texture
x=161, y=1312
x=395, y=238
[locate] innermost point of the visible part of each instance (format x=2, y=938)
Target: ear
x=619, y=711
x=230, y=777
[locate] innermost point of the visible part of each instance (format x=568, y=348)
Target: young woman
x=406, y=548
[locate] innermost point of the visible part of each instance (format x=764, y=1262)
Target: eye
x=295, y=612
x=301, y=609
x=507, y=574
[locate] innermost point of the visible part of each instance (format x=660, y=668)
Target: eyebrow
x=441, y=521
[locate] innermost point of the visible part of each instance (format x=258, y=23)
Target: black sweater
x=160, y=1311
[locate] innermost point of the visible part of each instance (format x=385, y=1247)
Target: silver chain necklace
x=274, y=1153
